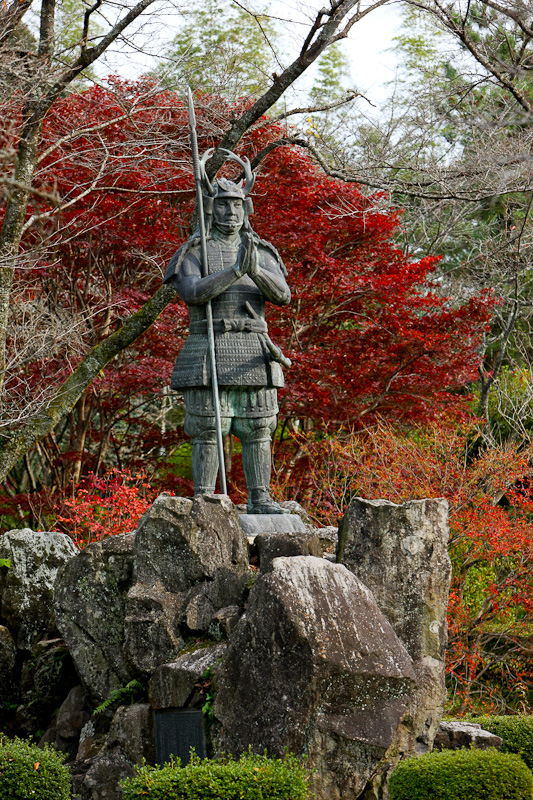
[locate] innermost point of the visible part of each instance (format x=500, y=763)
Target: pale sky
x=372, y=66
x=367, y=45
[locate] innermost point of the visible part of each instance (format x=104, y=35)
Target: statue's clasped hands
x=248, y=260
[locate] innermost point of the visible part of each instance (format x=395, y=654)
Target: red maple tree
x=368, y=334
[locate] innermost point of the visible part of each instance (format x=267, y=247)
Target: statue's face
x=228, y=214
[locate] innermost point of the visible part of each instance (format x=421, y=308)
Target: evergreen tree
x=221, y=49
x=333, y=77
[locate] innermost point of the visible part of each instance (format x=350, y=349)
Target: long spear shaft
x=208, y=308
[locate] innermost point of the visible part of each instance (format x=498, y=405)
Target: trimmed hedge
x=462, y=775
x=250, y=778
x=27, y=772
x=516, y=732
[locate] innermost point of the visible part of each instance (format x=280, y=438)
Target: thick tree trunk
x=14, y=220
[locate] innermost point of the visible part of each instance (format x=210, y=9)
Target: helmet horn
x=205, y=180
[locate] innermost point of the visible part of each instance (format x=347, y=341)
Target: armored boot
x=256, y=460
x=260, y=502
x=204, y=466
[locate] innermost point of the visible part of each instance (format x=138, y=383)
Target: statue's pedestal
x=254, y=524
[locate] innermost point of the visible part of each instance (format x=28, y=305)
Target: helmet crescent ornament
x=248, y=183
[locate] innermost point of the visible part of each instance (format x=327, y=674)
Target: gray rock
x=277, y=545
x=314, y=666
x=181, y=542
x=27, y=586
x=91, y=742
x=90, y=610
x=328, y=537
x=45, y=681
x=132, y=732
x=151, y=627
x=454, y=734
x=8, y=656
x=64, y=731
x=254, y=524
x=73, y=714
x=400, y=552
x=98, y=778
x=210, y=596
x=173, y=685
x=191, y=561
x=295, y=508
x=223, y=623
x=125, y=604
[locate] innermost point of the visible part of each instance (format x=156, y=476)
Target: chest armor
x=242, y=357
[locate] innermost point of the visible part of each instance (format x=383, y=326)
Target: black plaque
x=176, y=731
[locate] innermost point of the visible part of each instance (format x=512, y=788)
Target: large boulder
x=27, y=585
x=314, y=666
x=90, y=610
x=400, y=552
x=190, y=561
x=127, y=604
x=181, y=542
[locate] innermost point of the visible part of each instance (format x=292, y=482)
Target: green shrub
x=250, y=778
x=516, y=732
x=462, y=775
x=29, y=773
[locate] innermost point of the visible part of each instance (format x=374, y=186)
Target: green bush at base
x=516, y=732
x=29, y=773
x=462, y=775
x=250, y=778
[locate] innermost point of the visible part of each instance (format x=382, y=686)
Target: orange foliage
x=491, y=542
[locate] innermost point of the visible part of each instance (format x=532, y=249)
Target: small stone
x=293, y=507
x=328, y=537
x=173, y=685
x=254, y=524
x=73, y=714
x=276, y=545
x=91, y=742
x=223, y=622
x=454, y=734
x=208, y=597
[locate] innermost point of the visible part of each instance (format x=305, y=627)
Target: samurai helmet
x=222, y=187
